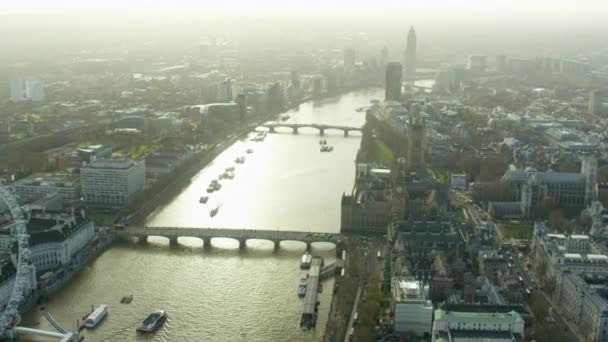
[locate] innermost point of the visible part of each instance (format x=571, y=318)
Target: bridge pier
x=271, y=129
x=173, y=241
x=346, y=132
x=277, y=245
x=242, y=243
x=321, y=131
x=295, y=130
x=207, y=243
x=308, y=246
x=142, y=239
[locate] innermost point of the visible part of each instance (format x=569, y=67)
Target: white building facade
x=112, y=183
x=413, y=311
x=447, y=324
x=584, y=300
x=56, y=246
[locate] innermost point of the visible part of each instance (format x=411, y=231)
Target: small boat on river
x=96, y=316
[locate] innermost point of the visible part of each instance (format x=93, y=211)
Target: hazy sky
x=520, y=26
x=316, y=6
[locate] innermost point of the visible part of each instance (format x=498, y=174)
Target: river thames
x=224, y=294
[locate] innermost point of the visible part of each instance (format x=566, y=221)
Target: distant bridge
x=241, y=235
x=272, y=126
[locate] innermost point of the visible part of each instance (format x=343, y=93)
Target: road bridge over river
x=241, y=235
x=295, y=127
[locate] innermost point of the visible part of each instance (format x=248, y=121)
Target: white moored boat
x=96, y=316
x=306, y=260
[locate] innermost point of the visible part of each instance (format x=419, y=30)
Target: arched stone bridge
x=241, y=235
x=296, y=126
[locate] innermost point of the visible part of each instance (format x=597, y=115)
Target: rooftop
x=112, y=163
x=476, y=336
x=409, y=289
x=477, y=317
x=573, y=256
x=48, y=179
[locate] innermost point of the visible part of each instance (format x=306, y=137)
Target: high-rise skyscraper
x=477, y=64
x=349, y=59
x=18, y=90
x=27, y=90
x=34, y=90
x=392, y=82
x=410, y=56
x=501, y=63
x=384, y=56
x=595, y=103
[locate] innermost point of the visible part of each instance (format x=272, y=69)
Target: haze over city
x=304, y=170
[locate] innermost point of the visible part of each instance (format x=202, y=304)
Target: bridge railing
x=226, y=232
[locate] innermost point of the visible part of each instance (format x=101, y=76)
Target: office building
x=35, y=91
x=523, y=66
x=501, y=63
x=477, y=64
x=477, y=326
x=90, y=153
x=577, y=68
x=384, y=56
x=422, y=238
x=39, y=185
x=413, y=310
x=349, y=59
x=410, y=56
x=112, y=182
x=554, y=253
x=583, y=298
x=18, y=90
x=458, y=181
x=595, y=103
x=26, y=90
x=224, y=91
x=392, y=82
x=215, y=114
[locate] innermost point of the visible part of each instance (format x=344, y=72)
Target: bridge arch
x=261, y=128
x=159, y=239
x=342, y=130
x=274, y=127
x=309, y=129
x=324, y=244
x=261, y=243
x=224, y=242
x=188, y=240
x=292, y=243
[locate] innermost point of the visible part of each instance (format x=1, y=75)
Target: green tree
x=491, y=169
x=547, y=205
x=557, y=220
x=602, y=174
x=539, y=308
